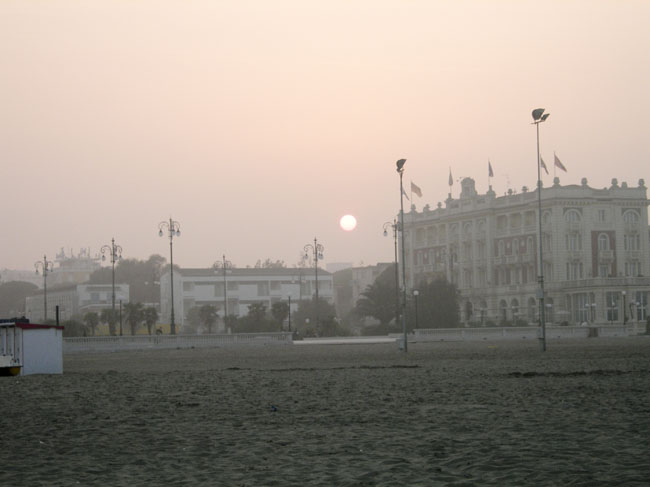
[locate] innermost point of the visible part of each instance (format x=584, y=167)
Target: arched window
x=501, y=247
x=603, y=241
x=631, y=216
x=572, y=216
x=515, y=246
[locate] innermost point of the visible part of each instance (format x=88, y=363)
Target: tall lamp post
x=538, y=117
x=46, y=266
x=400, y=170
x=225, y=265
x=173, y=229
x=115, y=255
x=317, y=249
x=624, y=310
x=395, y=227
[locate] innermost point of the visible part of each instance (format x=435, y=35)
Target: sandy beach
x=495, y=413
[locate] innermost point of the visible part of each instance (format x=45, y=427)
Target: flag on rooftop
x=416, y=189
x=490, y=171
x=543, y=165
x=404, y=193
x=451, y=180
x=558, y=163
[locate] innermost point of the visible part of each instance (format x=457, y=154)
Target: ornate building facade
x=595, y=246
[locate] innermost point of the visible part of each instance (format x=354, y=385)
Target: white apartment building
x=74, y=300
x=239, y=288
x=595, y=246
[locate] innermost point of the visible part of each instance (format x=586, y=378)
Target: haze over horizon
x=258, y=125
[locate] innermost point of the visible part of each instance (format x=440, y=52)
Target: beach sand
x=489, y=413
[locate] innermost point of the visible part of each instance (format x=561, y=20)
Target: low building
x=233, y=291
x=74, y=300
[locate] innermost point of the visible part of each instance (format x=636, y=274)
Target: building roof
x=252, y=271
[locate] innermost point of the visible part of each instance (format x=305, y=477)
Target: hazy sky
x=258, y=124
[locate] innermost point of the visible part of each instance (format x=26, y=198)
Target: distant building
x=73, y=269
x=198, y=287
x=74, y=300
x=596, y=252
x=350, y=283
x=337, y=266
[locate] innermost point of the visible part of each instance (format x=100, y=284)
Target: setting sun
x=348, y=223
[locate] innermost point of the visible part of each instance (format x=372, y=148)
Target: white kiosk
x=28, y=348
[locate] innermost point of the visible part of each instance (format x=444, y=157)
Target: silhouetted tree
x=305, y=317
x=438, y=305
x=208, y=316
x=379, y=299
x=150, y=316
x=110, y=318
x=134, y=315
x=91, y=319
x=280, y=311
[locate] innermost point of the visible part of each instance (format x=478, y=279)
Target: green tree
x=280, y=312
x=379, y=300
x=110, y=318
x=150, y=317
x=208, y=316
x=134, y=314
x=256, y=320
x=91, y=319
x=305, y=317
x=438, y=305
x=192, y=321
x=12, y=297
x=73, y=328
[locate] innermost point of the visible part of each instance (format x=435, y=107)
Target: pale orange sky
x=258, y=124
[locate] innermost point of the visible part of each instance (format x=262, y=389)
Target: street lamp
x=225, y=265
x=624, y=310
x=289, y=298
x=115, y=255
x=400, y=170
x=395, y=227
x=46, y=266
x=317, y=249
x=538, y=117
x=416, y=293
x=593, y=312
x=173, y=229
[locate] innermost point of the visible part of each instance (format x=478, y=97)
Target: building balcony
x=574, y=255
x=606, y=255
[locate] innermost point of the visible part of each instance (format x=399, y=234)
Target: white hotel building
x=596, y=252
x=197, y=287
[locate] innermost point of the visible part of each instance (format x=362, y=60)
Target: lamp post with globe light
x=115, y=255
x=225, y=265
x=174, y=230
x=317, y=250
x=46, y=266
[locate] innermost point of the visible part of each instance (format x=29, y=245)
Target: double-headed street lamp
x=115, y=255
x=400, y=170
x=174, y=229
x=394, y=225
x=225, y=265
x=538, y=117
x=46, y=266
x=317, y=250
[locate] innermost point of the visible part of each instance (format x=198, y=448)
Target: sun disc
x=348, y=223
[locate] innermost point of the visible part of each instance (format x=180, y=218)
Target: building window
x=262, y=288
x=581, y=308
x=600, y=216
x=572, y=216
x=188, y=286
x=631, y=216
x=632, y=269
x=603, y=242
x=631, y=241
x=573, y=242
x=640, y=306
x=611, y=303
x=573, y=271
x=501, y=247
x=604, y=270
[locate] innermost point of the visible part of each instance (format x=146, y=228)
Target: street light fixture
x=173, y=229
x=394, y=225
x=225, y=265
x=538, y=117
x=624, y=310
x=115, y=255
x=400, y=170
x=317, y=249
x=46, y=266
